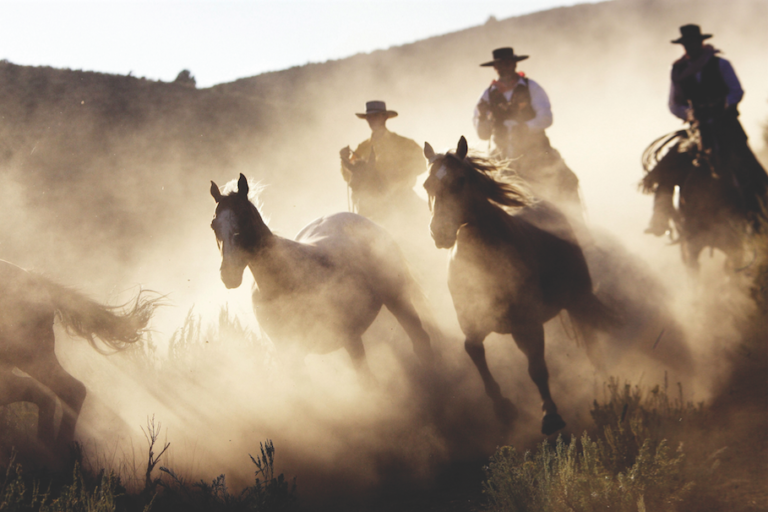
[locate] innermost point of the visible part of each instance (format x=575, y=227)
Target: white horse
x=322, y=291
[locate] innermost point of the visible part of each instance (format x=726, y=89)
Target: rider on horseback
x=384, y=167
x=705, y=92
x=513, y=113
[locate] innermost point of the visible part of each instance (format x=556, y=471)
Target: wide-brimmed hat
x=376, y=107
x=691, y=33
x=502, y=54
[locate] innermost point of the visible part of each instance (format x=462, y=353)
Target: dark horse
x=322, y=291
x=719, y=197
x=508, y=273
x=28, y=304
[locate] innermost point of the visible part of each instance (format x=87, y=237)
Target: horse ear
x=242, y=186
x=462, y=149
x=215, y=191
x=429, y=153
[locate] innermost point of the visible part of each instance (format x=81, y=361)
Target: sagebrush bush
x=627, y=465
x=20, y=494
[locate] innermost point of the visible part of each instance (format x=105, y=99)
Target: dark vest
x=707, y=97
x=517, y=108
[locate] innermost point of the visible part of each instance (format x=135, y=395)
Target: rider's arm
x=364, y=148
x=482, y=119
x=542, y=107
x=735, y=92
x=677, y=108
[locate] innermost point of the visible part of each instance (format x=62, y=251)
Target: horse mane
x=488, y=176
x=255, y=188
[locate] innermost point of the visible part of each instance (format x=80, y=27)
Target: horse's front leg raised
x=529, y=337
x=504, y=409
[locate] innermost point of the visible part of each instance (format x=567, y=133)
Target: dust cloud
x=111, y=194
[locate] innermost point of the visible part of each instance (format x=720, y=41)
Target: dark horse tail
x=589, y=312
x=117, y=327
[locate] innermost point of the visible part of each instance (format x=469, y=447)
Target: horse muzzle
x=232, y=277
x=443, y=240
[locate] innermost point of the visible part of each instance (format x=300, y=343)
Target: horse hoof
x=505, y=411
x=551, y=424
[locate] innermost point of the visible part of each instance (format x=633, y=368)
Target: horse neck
x=488, y=217
x=278, y=266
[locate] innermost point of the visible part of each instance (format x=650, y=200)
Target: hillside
x=92, y=160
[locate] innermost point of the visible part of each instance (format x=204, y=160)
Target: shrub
x=628, y=466
x=269, y=492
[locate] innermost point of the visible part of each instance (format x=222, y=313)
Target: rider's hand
x=484, y=109
x=345, y=153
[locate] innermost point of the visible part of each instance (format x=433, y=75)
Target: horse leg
x=504, y=409
x=70, y=391
x=16, y=388
x=356, y=351
x=529, y=337
x=405, y=313
x=690, y=252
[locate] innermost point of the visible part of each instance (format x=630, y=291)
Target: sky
x=221, y=41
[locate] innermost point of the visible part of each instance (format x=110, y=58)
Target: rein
x=651, y=155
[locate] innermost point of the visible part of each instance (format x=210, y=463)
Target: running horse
x=322, y=291
x=508, y=273
x=29, y=304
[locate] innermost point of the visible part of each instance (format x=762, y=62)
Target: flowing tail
x=591, y=311
x=116, y=326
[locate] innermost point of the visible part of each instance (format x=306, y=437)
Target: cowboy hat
x=376, y=107
x=691, y=33
x=502, y=54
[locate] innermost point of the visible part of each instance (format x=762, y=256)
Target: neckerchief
x=504, y=88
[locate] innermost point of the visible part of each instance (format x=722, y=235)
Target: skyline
x=222, y=41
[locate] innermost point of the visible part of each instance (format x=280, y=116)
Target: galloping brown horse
x=508, y=273
x=28, y=303
x=322, y=291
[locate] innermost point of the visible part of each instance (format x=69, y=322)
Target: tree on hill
x=186, y=79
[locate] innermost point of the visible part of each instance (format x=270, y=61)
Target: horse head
x=460, y=187
x=239, y=229
x=449, y=194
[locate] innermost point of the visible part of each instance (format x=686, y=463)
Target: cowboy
x=384, y=167
x=513, y=113
x=705, y=92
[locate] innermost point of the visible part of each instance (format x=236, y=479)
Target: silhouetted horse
x=717, y=200
x=28, y=303
x=508, y=273
x=322, y=291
